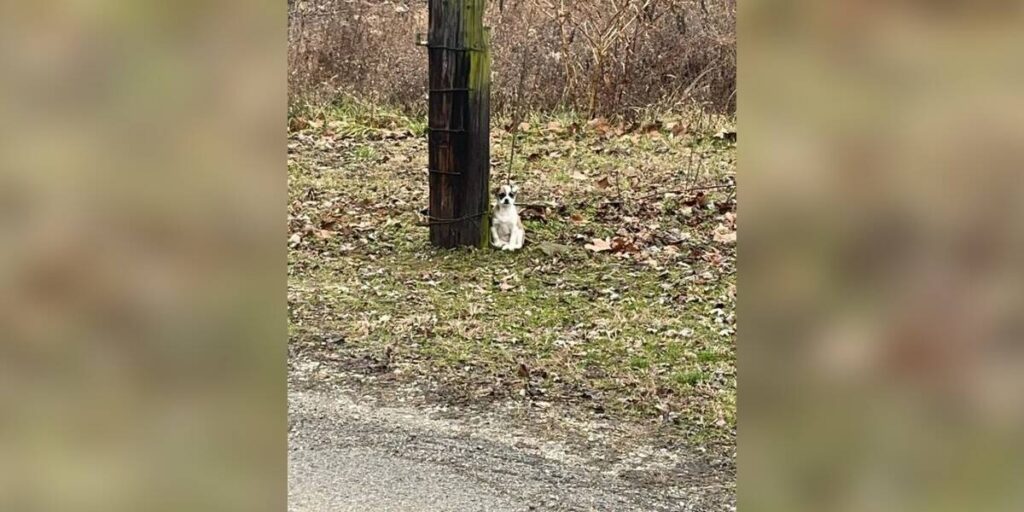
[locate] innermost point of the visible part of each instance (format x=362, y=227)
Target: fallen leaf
x=700, y=200
x=577, y=219
x=524, y=127
x=523, y=371
x=727, y=135
x=603, y=183
x=552, y=249
x=600, y=126
x=533, y=213
x=599, y=245
x=621, y=244
x=724, y=235
x=298, y=124
x=294, y=240
x=714, y=258
x=652, y=127
x=329, y=222
x=730, y=220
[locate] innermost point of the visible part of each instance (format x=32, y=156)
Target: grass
x=644, y=334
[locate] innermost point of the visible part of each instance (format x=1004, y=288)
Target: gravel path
x=347, y=456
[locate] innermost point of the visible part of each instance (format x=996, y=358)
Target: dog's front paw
x=507, y=248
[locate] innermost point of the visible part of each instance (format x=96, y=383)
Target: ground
x=619, y=309
x=347, y=454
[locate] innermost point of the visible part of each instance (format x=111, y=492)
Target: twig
x=690, y=88
x=515, y=115
x=642, y=198
x=684, y=191
x=688, y=179
x=512, y=154
x=537, y=205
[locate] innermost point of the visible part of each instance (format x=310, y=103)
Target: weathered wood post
x=459, y=130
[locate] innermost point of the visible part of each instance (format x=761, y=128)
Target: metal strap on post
x=424, y=41
x=445, y=130
x=447, y=173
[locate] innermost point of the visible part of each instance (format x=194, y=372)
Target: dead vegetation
x=602, y=58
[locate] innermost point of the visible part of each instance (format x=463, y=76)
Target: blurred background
x=880, y=354
x=142, y=306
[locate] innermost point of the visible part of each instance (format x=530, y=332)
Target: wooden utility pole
x=460, y=154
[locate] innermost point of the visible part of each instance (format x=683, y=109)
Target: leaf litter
x=622, y=302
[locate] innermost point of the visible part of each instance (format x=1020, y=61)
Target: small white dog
x=507, y=231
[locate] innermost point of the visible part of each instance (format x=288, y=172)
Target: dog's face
x=507, y=194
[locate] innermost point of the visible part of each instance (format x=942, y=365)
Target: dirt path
x=350, y=456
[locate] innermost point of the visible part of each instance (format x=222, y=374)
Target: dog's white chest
x=506, y=217
x=506, y=228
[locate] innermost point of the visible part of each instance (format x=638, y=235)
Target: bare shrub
x=601, y=57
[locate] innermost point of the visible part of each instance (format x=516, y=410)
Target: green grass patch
x=638, y=332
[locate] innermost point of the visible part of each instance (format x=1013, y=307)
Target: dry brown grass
x=600, y=57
